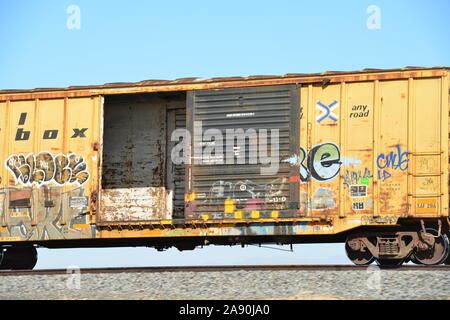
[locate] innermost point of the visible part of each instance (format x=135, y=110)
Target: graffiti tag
x=394, y=160
x=43, y=222
x=247, y=189
x=45, y=168
x=322, y=163
x=379, y=220
x=357, y=177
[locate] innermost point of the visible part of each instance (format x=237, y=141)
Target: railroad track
x=277, y=267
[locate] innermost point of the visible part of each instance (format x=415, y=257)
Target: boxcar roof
x=193, y=83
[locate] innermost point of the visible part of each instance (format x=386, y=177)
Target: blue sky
x=135, y=40
x=120, y=41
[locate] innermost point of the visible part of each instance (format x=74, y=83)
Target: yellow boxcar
x=357, y=157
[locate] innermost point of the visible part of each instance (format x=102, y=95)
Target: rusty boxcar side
x=363, y=158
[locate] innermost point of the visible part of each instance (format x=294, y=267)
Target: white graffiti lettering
x=44, y=168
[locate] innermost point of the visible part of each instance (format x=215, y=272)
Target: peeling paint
x=323, y=199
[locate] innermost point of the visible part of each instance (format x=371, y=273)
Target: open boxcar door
x=139, y=182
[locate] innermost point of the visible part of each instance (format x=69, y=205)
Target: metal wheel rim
x=440, y=254
x=414, y=260
x=364, y=261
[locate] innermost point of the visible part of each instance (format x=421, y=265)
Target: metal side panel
x=243, y=185
x=48, y=179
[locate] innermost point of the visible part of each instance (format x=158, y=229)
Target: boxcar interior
x=139, y=182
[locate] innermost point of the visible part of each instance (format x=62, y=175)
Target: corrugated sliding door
x=243, y=142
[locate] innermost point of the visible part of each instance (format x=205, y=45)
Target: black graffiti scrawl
x=45, y=168
x=52, y=214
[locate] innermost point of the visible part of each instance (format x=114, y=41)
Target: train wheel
x=19, y=258
x=437, y=254
x=360, y=258
x=414, y=260
x=447, y=261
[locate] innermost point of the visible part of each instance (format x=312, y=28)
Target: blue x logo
x=327, y=111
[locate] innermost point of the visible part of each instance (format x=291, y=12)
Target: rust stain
x=384, y=201
x=19, y=195
x=365, y=150
x=49, y=95
x=330, y=124
x=95, y=146
x=93, y=203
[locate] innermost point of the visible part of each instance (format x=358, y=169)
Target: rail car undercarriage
x=388, y=247
x=428, y=246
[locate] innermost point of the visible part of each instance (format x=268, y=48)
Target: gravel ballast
x=372, y=283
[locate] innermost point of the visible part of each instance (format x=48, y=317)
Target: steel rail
x=223, y=268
